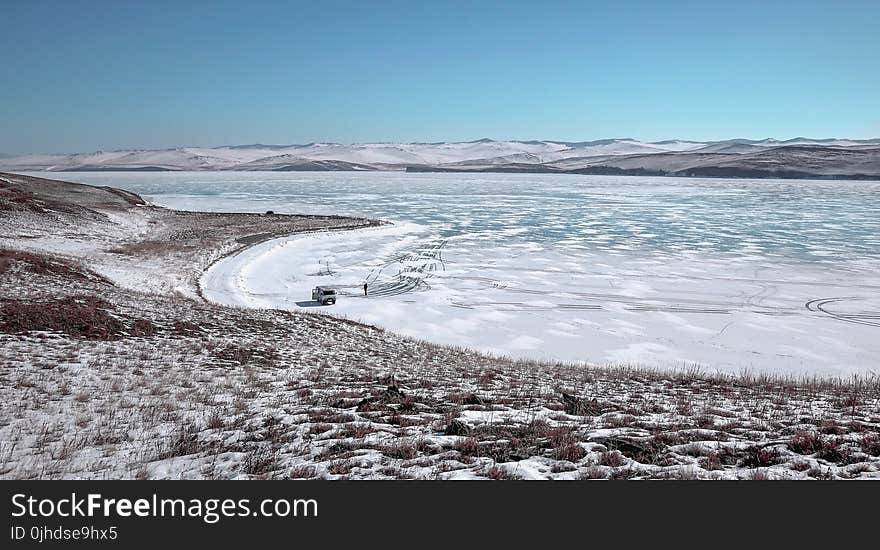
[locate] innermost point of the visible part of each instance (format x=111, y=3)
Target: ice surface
x=728, y=274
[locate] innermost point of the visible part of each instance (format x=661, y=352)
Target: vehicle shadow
x=310, y=303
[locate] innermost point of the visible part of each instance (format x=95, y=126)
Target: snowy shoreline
x=217, y=283
x=254, y=244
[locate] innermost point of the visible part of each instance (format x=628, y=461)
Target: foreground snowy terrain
x=111, y=366
x=729, y=275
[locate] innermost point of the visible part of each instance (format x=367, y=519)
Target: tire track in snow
x=819, y=305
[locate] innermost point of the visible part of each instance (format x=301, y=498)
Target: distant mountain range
x=793, y=158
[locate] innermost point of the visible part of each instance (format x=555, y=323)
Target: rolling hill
x=794, y=158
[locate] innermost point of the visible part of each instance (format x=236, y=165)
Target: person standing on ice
x=365, y=289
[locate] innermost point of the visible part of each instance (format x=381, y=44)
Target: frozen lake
x=731, y=275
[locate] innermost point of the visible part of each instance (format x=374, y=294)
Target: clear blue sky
x=81, y=76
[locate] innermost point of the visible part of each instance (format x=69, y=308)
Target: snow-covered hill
x=483, y=153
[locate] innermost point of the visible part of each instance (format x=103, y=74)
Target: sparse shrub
x=694, y=449
x=593, y=472
x=306, y=471
x=342, y=449
x=319, y=428
x=258, y=462
x=571, y=452
x=407, y=404
x=339, y=467
x=143, y=328
x=624, y=473
x=565, y=445
x=640, y=451
x=369, y=405
x=237, y=354
x=329, y=416
x=391, y=471
x=401, y=449
x=857, y=427
x=468, y=446
x=851, y=401
x=704, y=421
x=831, y=427
x=540, y=428
x=805, y=443
x=711, y=461
x=819, y=473
x=870, y=444
x=357, y=430
x=577, y=406
x=83, y=316
x=681, y=473
x=759, y=475
x=184, y=441
x=618, y=420
x=684, y=407
x=216, y=420
x=497, y=473
x=457, y=427
x=856, y=470
x=759, y=457
x=186, y=328
x=466, y=398
x=833, y=450
x=19, y=200
x=40, y=264
x=562, y=467
x=663, y=439
x=611, y=458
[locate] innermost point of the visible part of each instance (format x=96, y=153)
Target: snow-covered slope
x=384, y=156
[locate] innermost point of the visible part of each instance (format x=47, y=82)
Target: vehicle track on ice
x=415, y=268
x=867, y=318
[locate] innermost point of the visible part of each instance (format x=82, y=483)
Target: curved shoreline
x=252, y=241
x=382, y=230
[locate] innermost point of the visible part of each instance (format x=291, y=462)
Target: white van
x=323, y=295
